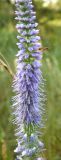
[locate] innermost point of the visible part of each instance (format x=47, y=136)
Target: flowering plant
x=27, y=106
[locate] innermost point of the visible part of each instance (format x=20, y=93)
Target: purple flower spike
x=27, y=108
x=40, y=158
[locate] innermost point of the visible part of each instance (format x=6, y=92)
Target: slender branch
x=6, y=65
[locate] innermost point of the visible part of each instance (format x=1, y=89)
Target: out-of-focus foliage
x=49, y=19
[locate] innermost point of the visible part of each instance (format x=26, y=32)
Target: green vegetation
x=50, y=31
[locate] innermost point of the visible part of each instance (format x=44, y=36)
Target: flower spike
x=27, y=109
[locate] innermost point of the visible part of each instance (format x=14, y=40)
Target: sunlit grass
x=55, y=23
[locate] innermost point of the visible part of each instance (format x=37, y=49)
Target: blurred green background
x=49, y=18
